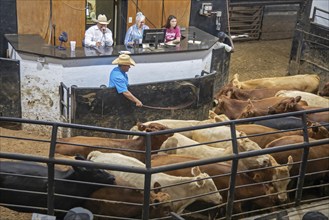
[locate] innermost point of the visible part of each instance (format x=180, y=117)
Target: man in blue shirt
x=119, y=77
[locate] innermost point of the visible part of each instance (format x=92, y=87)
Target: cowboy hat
x=124, y=59
x=102, y=19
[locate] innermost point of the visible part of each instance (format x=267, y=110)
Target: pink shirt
x=172, y=34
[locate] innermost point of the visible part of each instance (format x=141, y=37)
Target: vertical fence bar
x=234, y=169
x=147, y=179
x=51, y=172
x=302, y=168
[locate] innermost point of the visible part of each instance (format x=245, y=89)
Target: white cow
x=176, y=123
x=203, y=151
x=202, y=182
x=310, y=98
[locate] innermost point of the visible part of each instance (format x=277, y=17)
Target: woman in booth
x=135, y=32
x=173, y=34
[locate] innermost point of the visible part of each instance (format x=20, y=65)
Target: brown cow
x=315, y=153
x=127, y=203
x=244, y=94
x=306, y=83
x=325, y=90
x=315, y=131
x=222, y=181
x=114, y=145
x=291, y=104
x=233, y=108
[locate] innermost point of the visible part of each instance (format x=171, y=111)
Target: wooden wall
x=157, y=11
x=33, y=18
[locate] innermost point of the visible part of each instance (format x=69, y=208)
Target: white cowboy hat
x=102, y=19
x=124, y=59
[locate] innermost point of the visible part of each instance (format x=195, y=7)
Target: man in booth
x=99, y=35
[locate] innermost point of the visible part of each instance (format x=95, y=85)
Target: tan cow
x=310, y=98
x=201, y=184
x=246, y=190
x=111, y=144
x=127, y=203
x=266, y=134
x=292, y=104
x=306, y=83
x=244, y=94
x=233, y=108
x=325, y=90
x=318, y=161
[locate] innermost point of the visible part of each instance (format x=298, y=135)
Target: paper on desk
x=195, y=42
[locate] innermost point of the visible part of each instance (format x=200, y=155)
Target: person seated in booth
x=134, y=34
x=224, y=41
x=99, y=35
x=173, y=34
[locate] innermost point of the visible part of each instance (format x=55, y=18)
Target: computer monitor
x=154, y=36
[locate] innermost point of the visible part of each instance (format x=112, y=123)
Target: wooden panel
x=157, y=11
x=152, y=10
x=182, y=12
x=69, y=16
x=132, y=10
x=33, y=17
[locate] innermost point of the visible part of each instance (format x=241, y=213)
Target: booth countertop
x=34, y=44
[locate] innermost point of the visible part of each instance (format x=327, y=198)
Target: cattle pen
x=242, y=196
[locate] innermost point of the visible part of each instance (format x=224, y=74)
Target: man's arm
x=131, y=97
x=88, y=38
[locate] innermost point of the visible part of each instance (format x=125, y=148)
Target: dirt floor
x=254, y=59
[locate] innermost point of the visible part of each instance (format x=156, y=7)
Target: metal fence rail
x=51, y=160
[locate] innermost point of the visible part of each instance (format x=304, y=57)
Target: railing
x=51, y=160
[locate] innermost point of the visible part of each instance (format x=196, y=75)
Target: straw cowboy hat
x=124, y=59
x=102, y=19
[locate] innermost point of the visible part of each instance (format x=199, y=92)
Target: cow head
x=92, y=174
x=281, y=178
x=171, y=142
x=325, y=90
x=249, y=111
x=217, y=118
x=218, y=106
x=205, y=182
x=245, y=145
x=288, y=104
x=317, y=131
x=160, y=205
x=235, y=81
x=157, y=140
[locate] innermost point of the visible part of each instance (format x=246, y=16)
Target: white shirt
x=94, y=34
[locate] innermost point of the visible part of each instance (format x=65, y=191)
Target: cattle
x=266, y=134
x=277, y=175
x=113, y=145
x=306, y=83
x=246, y=188
x=325, y=90
x=22, y=177
x=310, y=98
x=291, y=104
x=202, y=182
x=315, y=164
x=126, y=202
x=233, y=108
x=244, y=94
x=176, y=123
x=203, y=151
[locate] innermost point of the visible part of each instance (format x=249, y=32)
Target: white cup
x=72, y=44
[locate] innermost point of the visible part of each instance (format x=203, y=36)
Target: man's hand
x=98, y=44
x=139, y=104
